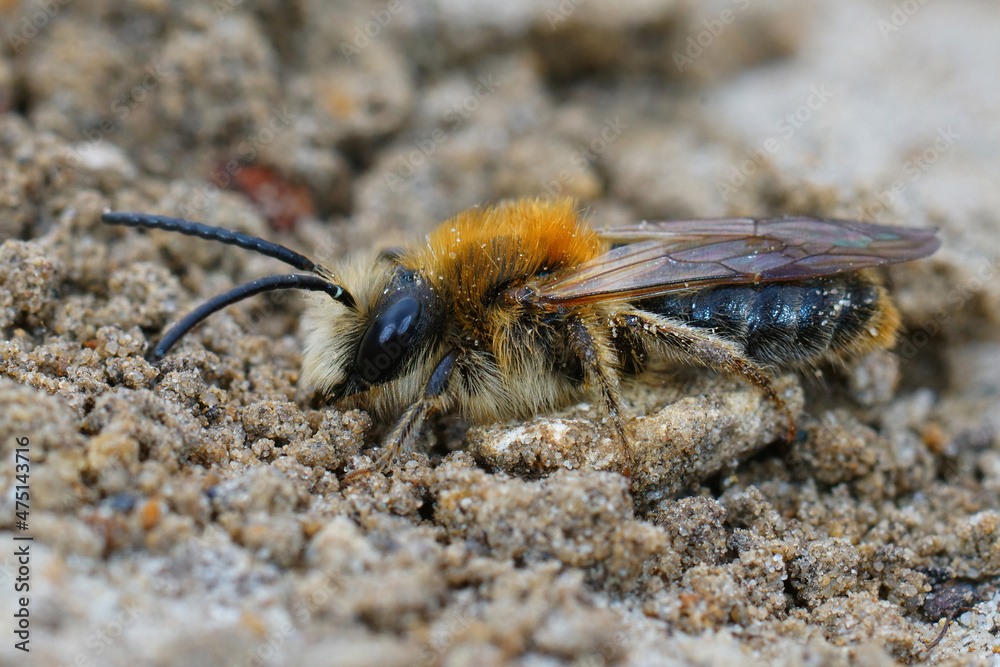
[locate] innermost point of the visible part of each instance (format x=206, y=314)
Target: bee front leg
x=599, y=364
x=408, y=427
x=699, y=346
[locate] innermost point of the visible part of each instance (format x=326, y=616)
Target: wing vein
x=654, y=258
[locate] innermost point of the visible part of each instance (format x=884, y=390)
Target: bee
x=521, y=308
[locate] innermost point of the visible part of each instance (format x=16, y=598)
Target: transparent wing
x=662, y=257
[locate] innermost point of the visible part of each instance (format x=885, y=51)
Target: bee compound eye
x=387, y=339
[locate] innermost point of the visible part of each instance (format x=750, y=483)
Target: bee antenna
x=229, y=237
x=268, y=284
x=315, y=283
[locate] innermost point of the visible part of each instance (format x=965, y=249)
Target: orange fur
x=882, y=330
x=481, y=251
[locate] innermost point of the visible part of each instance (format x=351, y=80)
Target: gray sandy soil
x=194, y=512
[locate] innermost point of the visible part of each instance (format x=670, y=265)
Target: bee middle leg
x=408, y=427
x=709, y=350
x=599, y=369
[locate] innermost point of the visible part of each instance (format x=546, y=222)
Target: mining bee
x=520, y=308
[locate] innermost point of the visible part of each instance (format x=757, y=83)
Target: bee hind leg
x=599, y=367
x=408, y=427
x=710, y=351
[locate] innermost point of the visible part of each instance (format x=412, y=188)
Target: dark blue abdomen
x=778, y=323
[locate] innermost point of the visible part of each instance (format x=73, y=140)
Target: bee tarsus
x=598, y=360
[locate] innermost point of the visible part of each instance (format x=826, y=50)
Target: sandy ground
x=195, y=513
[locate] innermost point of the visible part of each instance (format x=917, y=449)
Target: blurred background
x=333, y=127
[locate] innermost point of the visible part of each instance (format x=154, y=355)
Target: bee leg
x=408, y=427
x=710, y=351
x=598, y=362
x=405, y=432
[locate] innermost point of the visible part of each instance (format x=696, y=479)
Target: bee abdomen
x=788, y=322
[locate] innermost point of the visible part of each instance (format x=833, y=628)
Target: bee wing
x=662, y=257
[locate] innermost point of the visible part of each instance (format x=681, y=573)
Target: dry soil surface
x=195, y=512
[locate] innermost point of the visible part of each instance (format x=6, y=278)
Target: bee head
x=392, y=326
x=359, y=338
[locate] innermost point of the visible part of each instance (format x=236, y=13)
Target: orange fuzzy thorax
x=484, y=250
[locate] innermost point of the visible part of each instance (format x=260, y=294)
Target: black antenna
x=215, y=304
x=227, y=236
x=313, y=283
